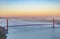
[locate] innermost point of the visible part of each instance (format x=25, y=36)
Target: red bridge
x=30, y=24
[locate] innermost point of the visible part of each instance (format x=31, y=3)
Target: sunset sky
x=29, y=8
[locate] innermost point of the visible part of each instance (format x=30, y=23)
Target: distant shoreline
x=35, y=19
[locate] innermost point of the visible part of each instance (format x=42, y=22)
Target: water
x=31, y=32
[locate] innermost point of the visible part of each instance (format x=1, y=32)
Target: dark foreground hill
x=3, y=33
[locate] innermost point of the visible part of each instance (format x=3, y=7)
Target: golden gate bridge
x=53, y=23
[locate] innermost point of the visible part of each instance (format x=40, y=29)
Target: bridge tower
x=7, y=24
x=53, y=22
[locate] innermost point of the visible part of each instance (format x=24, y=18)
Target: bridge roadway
x=28, y=25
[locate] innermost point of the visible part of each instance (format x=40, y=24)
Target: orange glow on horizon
x=29, y=8
x=29, y=13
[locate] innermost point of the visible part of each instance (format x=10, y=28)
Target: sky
x=29, y=8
